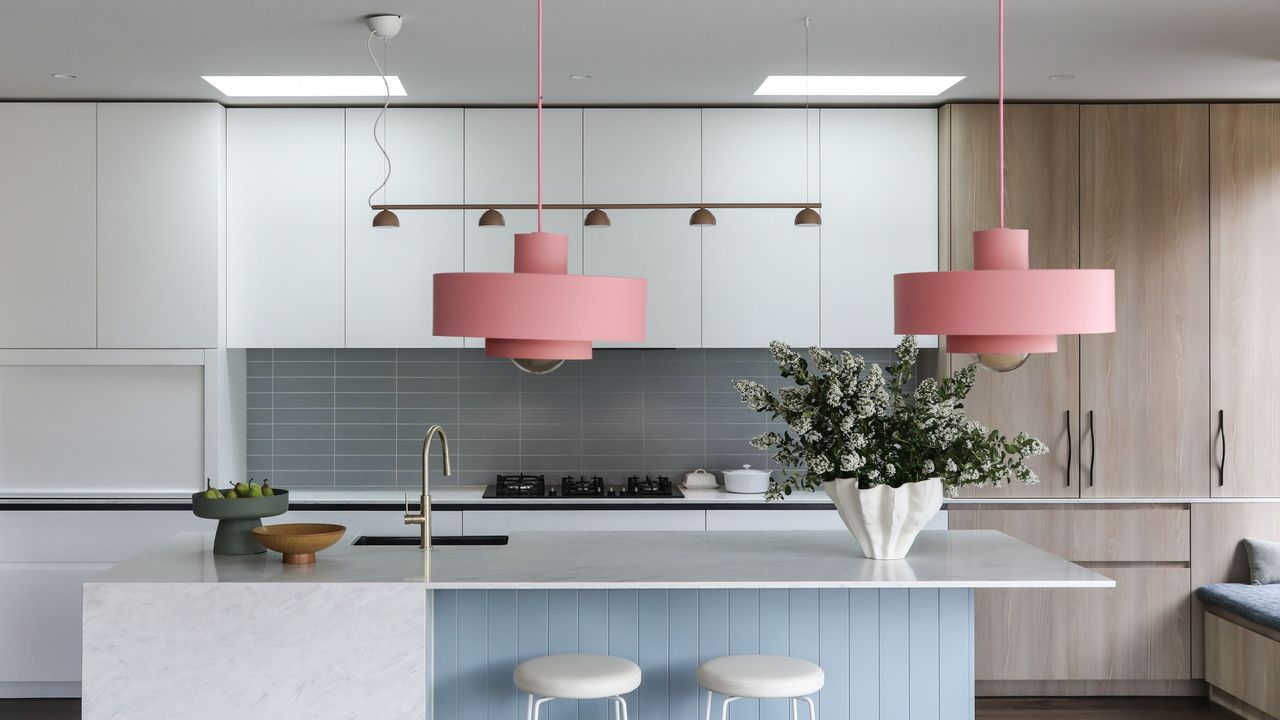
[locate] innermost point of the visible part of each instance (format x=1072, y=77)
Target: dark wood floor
x=988, y=709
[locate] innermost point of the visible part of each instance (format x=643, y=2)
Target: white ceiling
x=477, y=52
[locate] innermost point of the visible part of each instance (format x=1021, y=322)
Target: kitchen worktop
x=596, y=560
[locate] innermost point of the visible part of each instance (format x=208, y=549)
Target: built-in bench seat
x=1242, y=647
x=1258, y=603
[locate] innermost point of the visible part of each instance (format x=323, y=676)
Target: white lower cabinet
x=773, y=520
x=378, y=522
x=501, y=522
x=40, y=624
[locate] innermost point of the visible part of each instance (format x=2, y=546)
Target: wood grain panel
x=1245, y=261
x=1145, y=212
x=1217, y=555
x=1087, y=534
x=1091, y=688
x=1140, y=630
x=1042, y=174
x=1243, y=664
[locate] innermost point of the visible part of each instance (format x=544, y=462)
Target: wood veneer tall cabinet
x=1244, y=264
x=1042, y=175
x=1144, y=202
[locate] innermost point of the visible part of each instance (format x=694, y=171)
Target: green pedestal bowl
x=237, y=517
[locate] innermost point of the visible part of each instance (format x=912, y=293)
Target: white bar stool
x=577, y=677
x=761, y=676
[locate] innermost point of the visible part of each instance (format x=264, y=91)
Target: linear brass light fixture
x=597, y=217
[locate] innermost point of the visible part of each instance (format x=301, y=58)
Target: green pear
x=210, y=492
x=230, y=493
x=255, y=491
x=267, y=490
x=242, y=489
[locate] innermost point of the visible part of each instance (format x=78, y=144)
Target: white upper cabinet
x=759, y=280
x=641, y=156
x=660, y=246
x=502, y=156
x=759, y=155
x=160, y=223
x=285, y=227
x=760, y=271
x=879, y=217
x=47, y=227
x=388, y=270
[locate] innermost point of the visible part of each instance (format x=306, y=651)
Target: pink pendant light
x=539, y=314
x=1001, y=310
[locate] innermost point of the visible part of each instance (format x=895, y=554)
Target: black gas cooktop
x=582, y=486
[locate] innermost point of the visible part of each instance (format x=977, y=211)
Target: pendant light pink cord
x=540, y=114
x=1000, y=103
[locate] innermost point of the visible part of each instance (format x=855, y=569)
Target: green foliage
x=847, y=420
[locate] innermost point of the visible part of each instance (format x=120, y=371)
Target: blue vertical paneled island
x=395, y=632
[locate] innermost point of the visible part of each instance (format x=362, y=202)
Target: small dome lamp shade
x=597, y=218
x=702, y=217
x=808, y=217
x=492, y=218
x=386, y=219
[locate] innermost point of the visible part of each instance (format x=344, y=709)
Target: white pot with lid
x=700, y=479
x=747, y=480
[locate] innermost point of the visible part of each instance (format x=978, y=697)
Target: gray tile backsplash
x=355, y=418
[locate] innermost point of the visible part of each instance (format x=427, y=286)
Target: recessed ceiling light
x=1062, y=77
x=304, y=85
x=582, y=76
x=64, y=76
x=872, y=85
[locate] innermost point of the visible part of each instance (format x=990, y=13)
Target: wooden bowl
x=299, y=542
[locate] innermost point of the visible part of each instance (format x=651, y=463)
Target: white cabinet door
x=285, y=227
x=759, y=280
x=160, y=222
x=40, y=621
x=759, y=271
x=388, y=270
x=47, y=227
x=879, y=217
x=379, y=522
x=502, y=156
x=774, y=519
x=759, y=155
x=660, y=246
x=641, y=156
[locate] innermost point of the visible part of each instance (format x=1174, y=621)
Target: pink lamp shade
x=1001, y=306
x=539, y=311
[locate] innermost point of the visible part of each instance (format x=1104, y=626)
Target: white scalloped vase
x=886, y=520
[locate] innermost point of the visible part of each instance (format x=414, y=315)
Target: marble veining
x=194, y=650
x=603, y=560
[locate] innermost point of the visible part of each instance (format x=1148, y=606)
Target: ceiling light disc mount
x=384, y=26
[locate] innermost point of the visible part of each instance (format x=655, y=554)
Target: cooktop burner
x=509, y=486
x=536, y=487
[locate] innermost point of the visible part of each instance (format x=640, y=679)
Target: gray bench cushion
x=1259, y=603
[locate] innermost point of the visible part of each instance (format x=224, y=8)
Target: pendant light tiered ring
x=1002, y=307
x=540, y=311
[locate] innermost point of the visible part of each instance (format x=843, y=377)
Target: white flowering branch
x=846, y=420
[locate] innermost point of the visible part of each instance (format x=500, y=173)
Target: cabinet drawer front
x=1086, y=534
x=89, y=536
x=1140, y=630
x=500, y=522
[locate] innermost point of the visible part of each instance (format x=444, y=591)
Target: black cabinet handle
x=1222, y=432
x=1069, y=448
x=1093, y=446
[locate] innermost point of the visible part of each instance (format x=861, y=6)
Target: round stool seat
x=760, y=676
x=577, y=676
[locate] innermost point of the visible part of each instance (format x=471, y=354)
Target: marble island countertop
x=593, y=560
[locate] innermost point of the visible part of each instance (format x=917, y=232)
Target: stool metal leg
x=709, y=698
x=535, y=707
x=619, y=707
x=795, y=708
x=813, y=713
x=724, y=709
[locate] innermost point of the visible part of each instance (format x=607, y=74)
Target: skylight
x=304, y=85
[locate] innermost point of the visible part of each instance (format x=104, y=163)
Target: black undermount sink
x=414, y=540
